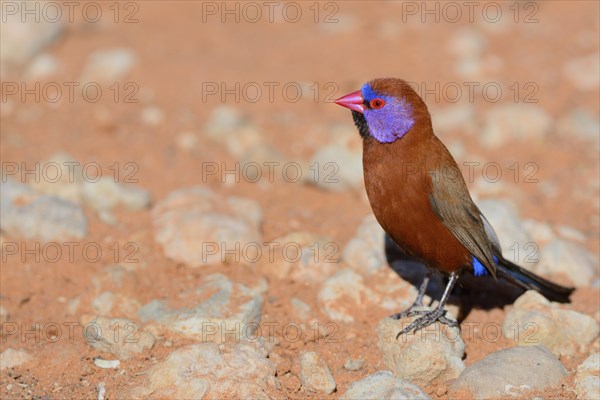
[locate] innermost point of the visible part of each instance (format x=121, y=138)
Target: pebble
x=365, y=252
x=3, y=314
x=226, y=125
x=65, y=177
x=580, y=123
x=430, y=356
x=195, y=226
x=24, y=213
x=22, y=40
x=534, y=320
x=187, y=141
x=514, y=237
x=119, y=336
x=108, y=302
x=301, y=309
x=344, y=292
x=587, y=378
x=337, y=165
x=210, y=370
x=507, y=123
x=467, y=43
x=227, y=311
x=106, y=364
x=354, y=364
x=11, y=358
x=540, y=232
x=458, y=116
x=570, y=259
x=41, y=68
x=569, y=233
x=108, y=66
x=339, y=168
x=101, y=391
x=383, y=385
x=302, y=256
x=511, y=372
x=106, y=194
x=152, y=116
x=584, y=72
x=315, y=374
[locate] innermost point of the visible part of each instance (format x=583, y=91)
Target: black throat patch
x=361, y=124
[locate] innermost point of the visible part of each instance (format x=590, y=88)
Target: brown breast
x=398, y=185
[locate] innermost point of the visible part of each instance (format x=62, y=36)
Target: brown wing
x=451, y=202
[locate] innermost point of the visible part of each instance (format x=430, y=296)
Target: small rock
x=3, y=314
x=511, y=372
x=454, y=117
x=11, y=358
x=227, y=311
x=343, y=23
x=534, y=320
x=108, y=66
x=187, y=141
x=108, y=302
x=383, y=385
x=467, y=43
x=365, y=251
x=514, y=238
x=197, y=226
x=64, y=178
x=22, y=40
x=41, y=68
x=101, y=390
x=118, y=336
x=210, y=370
x=540, y=232
x=106, y=194
x=106, y=364
x=24, y=213
x=152, y=116
x=352, y=364
x=342, y=293
x=587, y=378
x=301, y=309
x=432, y=355
x=315, y=374
x=506, y=123
x=570, y=233
x=584, y=72
x=570, y=259
x=302, y=256
x=228, y=126
x=337, y=166
x=580, y=123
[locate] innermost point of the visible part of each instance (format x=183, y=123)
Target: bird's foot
x=428, y=318
x=415, y=309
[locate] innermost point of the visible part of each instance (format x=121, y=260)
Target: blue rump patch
x=478, y=268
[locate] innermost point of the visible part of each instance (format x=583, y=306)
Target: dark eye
x=377, y=103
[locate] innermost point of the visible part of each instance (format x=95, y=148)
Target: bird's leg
x=418, y=301
x=437, y=314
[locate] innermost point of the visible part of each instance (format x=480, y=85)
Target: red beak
x=354, y=101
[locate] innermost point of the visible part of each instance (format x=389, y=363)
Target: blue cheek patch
x=479, y=269
x=391, y=122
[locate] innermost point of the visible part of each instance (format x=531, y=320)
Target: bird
x=419, y=197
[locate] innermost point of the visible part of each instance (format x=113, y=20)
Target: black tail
x=528, y=280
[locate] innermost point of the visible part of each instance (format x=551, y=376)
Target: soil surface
x=181, y=53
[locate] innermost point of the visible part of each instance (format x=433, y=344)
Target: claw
x=411, y=312
x=428, y=318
